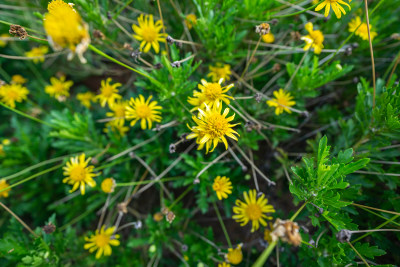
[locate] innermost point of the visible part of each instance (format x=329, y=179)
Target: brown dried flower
x=122, y=207
x=263, y=29
x=287, y=231
x=158, y=216
x=98, y=35
x=49, y=228
x=18, y=31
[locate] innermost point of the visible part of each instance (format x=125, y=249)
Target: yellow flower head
x=108, y=93
x=101, y=241
x=58, y=87
x=18, y=79
x=3, y=39
x=3, y=185
x=66, y=29
x=335, y=4
x=281, y=102
x=212, y=127
x=267, y=233
x=11, y=93
x=314, y=39
x=86, y=98
x=118, y=112
x=219, y=72
x=222, y=187
x=210, y=94
x=116, y=127
x=37, y=53
x=234, y=256
x=79, y=173
x=148, y=33
x=224, y=264
x=6, y=142
x=190, y=21
x=144, y=110
x=362, y=31
x=268, y=38
x=108, y=185
x=253, y=209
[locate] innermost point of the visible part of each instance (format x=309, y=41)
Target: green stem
x=26, y=115
x=150, y=181
x=26, y=28
x=298, y=211
x=222, y=225
x=299, y=12
x=75, y=220
x=379, y=226
x=180, y=197
x=378, y=215
x=111, y=164
x=359, y=255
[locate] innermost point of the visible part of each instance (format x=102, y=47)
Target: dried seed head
x=136, y=55
x=122, y=207
x=176, y=64
x=158, y=216
x=348, y=51
x=258, y=97
x=172, y=148
x=287, y=231
x=18, y=31
x=94, y=161
x=128, y=47
x=276, y=67
x=98, y=35
x=170, y=40
x=295, y=36
x=170, y=217
x=343, y=236
x=164, y=210
x=395, y=36
x=158, y=66
x=49, y=228
x=274, y=21
x=109, y=15
x=263, y=29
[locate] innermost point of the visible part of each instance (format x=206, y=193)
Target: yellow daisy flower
x=212, y=127
x=144, y=110
x=11, y=93
x=108, y=185
x=6, y=142
x=362, y=31
x=314, y=39
x=3, y=42
x=282, y=102
x=66, y=29
x=224, y=264
x=86, y=98
x=222, y=187
x=121, y=129
x=58, y=87
x=101, y=241
x=37, y=53
x=268, y=38
x=190, y=21
x=337, y=8
x=219, y=72
x=108, y=93
x=18, y=79
x=148, y=33
x=210, y=94
x=118, y=112
x=79, y=173
x=253, y=209
x=234, y=256
x=3, y=185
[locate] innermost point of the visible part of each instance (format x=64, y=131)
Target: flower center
x=120, y=111
x=12, y=94
x=217, y=186
x=143, y=111
x=107, y=91
x=149, y=34
x=217, y=125
x=102, y=240
x=317, y=37
x=59, y=87
x=253, y=211
x=213, y=91
x=78, y=173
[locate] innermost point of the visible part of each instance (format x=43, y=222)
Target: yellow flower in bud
x=362, y=31
x=268, y=38
x=190, y=21
x=37, y=53
x=234, y=256
x=219, y=72
x=86, y=98
x=108, y=185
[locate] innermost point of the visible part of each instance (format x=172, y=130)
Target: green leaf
x=369, y=251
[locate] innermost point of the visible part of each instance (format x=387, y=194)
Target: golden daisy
x=118, y=112
x=224, y=264
x=86, y=98
x=337, y=8
x=144, y=110
x=18, y=79
x=234, y=256
x=4, y=185
x=148, y=33
x=281, y=102
x=253, y=209
x=362, y=31
x=212, y=127
x=11, y=93
x=108, y=185
x=190, y=21
x=210, y=94
x=222, y=187
x=79, y=173
x=3, y=39
x=66, y=29
x=121, y=129
x=219, y=72
x=37, y=53
x=314, y=39
x=59, y=87
x=108, y=93
x=268, y=38
x=101, y=241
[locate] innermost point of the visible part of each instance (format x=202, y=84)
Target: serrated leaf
x=369, y=251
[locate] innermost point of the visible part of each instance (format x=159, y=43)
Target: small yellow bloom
x=281, y=102
x=314, y=2
x=144, y=110
x=268, y=38
x=3, y=42
x=253, y=209
x=362, y=31
x=118, y=112
x=224, y=264
x=108, y=185
x=2, y=153
x=6, y=142
x=108, y=93
x=222, y=187
x=18, y=79
x=337, y=8
x=234, y=256
x=219, y=72
x=210, y=94
x=101, y=241
x=267, y=233
x=37, y=53
x=79, y=173
x=190, y=21
x=148, y=33
x=59, y=87
x=86, y=98
x=3, y=185
x=314, y=39
x=121, y=129
x=11, y=93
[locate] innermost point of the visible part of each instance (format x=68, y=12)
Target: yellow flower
x=3, y=42
x=314, y=39
x=144, y=110
x=6, y=142
x=118, y=112
x=267, y=233
x=37, y=53
x=281, y=102
x=337, y=8
x=108, y=185
x=86, y=98
x=268, y=38
x=224, y=264
x=190, y=21
x=116, y=127
x=79, y=173
x=222, y=187
x=101, y=241
x=148, y=33
x=18, y=79
x=11, y=93
x=234, y=256
x=210, y=94
x=58, y=87
x=2, y=153
x=314, y=2
x=108, y=93
x=253, y=209
x=220, y=72
x=362, y=31
x=66, y=29
x=212, y=127
x=3, y=185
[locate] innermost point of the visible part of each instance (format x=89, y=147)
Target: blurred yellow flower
x=268, y=38
x=101, y=241
x=281, y=102
x=224, y=264
x=118, y=112
x=234, y=256
x=11, y=93
x=108, y=93
x=121, y=129
x=58, y=87
x=222, y=187
x=108, y=185
x=314, y=39
x=148, y=33
x=219, y=72
x=144, y=110
x=190, y=21
x=18, y=79
x=37, y=53
x=362, y=31
x=210, y=94
x=3, y=185
x=86, y=98
x=335, y=4
x=3, y=43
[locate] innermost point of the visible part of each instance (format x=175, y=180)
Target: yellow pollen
x=217, y=186
x=78, y=173
x=11, y=94
x=149, y=34
x=143, y=111
x=253, y=211
x=102, y=240
x=213, y=91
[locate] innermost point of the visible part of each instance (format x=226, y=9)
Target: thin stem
x=372, y=53
x=379, y=226
x=296, y=70
x=150, y=181
x=251, y=58
x=298, y=12
x=222, y=225
x=26, y=115
x=19, y=219
x=181, y=196
x=163, y=27
x=359, y=255
x=386, y=211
